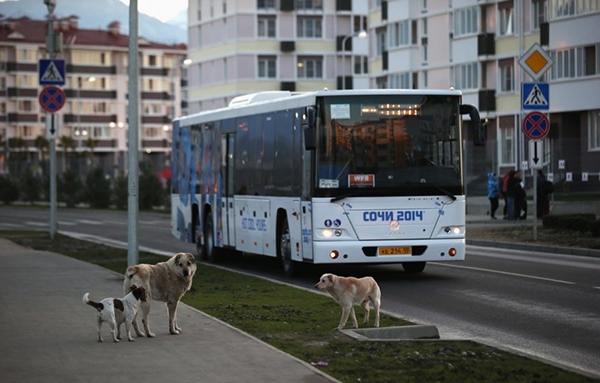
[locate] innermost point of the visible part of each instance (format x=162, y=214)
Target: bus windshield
x=389, y=145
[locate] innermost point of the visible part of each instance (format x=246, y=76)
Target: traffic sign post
x=536, y=154
x=536, y=125
x=51, y=72
x=52, y=126
x=52, y=99
x=535, y=96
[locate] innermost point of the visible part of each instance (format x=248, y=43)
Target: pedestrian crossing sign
x=535, y=96
x=51, y=72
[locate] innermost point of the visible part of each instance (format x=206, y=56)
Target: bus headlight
x=327, y=233
x=453, y=230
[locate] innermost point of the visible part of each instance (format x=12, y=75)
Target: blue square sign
x=51, y=72
x=535, y=96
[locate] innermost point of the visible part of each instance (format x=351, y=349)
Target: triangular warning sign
x=536, y=97
x=52, y=74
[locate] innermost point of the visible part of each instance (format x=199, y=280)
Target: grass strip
x=301, y=323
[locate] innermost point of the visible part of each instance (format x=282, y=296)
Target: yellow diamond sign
x=536, y=61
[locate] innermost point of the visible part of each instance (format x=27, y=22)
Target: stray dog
x=166, y=282
x=115, y=311
x=350, y=291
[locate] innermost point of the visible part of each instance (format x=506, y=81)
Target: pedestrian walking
x=544, y=189
x=505, y=180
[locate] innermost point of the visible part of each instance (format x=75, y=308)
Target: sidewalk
x=49, y=335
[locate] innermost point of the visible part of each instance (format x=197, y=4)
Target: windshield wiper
x=439, y=188
x=341, y=197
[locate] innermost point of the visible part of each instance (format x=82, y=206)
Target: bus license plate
x=401, y=250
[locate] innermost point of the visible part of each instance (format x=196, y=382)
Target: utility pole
x=133, y=157
x=50, y=46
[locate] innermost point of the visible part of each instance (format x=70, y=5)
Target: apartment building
x=239, y=47
x=94, y=117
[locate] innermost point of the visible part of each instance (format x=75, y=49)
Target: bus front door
x=227, y=205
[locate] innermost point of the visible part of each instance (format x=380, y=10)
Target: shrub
x=9, y=190
x=151, y=192
x=120, y=192
x=69, y=188
x=31, y=186
x=97, y=189
x=576, y=222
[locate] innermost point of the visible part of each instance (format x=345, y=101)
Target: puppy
x=351, y=291
x=166, y=282
x=115, y=311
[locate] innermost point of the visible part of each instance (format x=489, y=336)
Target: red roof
x=26, y=30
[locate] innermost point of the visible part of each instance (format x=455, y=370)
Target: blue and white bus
x=325, y=177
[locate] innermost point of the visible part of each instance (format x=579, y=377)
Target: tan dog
x=351, y=291
x=166, y=282
x=115, y=311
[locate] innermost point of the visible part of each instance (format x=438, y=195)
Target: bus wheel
x=285, y=250
x=413, y=267
x=210, y=251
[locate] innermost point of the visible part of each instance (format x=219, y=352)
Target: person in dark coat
x=544, y=189
x=520, y=198
x=511, y=193
x=505, y=179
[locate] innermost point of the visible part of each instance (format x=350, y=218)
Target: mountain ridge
x=98, y=14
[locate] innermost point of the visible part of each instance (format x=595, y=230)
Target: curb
x=538, y=248
x=396, y=333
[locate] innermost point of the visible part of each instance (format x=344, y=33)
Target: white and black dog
x=115, y=311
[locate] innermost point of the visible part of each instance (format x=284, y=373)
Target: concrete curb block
x=538, y=248
x=396, y=333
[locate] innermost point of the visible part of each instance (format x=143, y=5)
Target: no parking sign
x=536, y=125
x=52, y=99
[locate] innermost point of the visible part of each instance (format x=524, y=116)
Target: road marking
x=89, y=222
x=506, y=273
x=41, y=224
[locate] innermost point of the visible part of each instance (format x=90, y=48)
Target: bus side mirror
x=310, y=132
x=478, y=126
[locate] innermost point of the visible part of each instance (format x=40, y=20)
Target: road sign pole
x=133, y=157
x=50, y=47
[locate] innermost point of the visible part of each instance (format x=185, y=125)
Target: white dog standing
x=166, y=282
x=115, y=311
x=351, y=291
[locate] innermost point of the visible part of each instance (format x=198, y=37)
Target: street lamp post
x=50, y=43
x=361, y=35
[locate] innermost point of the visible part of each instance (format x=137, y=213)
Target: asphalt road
x=544, y=305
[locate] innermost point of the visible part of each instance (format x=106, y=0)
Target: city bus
x=325, y=177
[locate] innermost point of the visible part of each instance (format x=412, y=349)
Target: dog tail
x=96, y=305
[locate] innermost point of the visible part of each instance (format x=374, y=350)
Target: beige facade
x=94, y=116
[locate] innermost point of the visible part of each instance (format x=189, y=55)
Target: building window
x=310, y=67
x=466, y=76
x=267, y=67
x=507, y=141
x=507, y=75
x=594, y=129
x=575, y=62
x=381, y=82
x=310, y=27
x=309, y=5
x=465, y=21
x=266, y=26
x=539, y=12
x=27, y=131
x=380, y=44
x=25, y=106
x=361, y=64
x=152, y=60
x=506, y=18
x=399, y=34
x=425, y=78
x=265, y=4
x=400, y=81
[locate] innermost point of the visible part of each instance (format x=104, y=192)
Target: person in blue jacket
x=493, y=193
